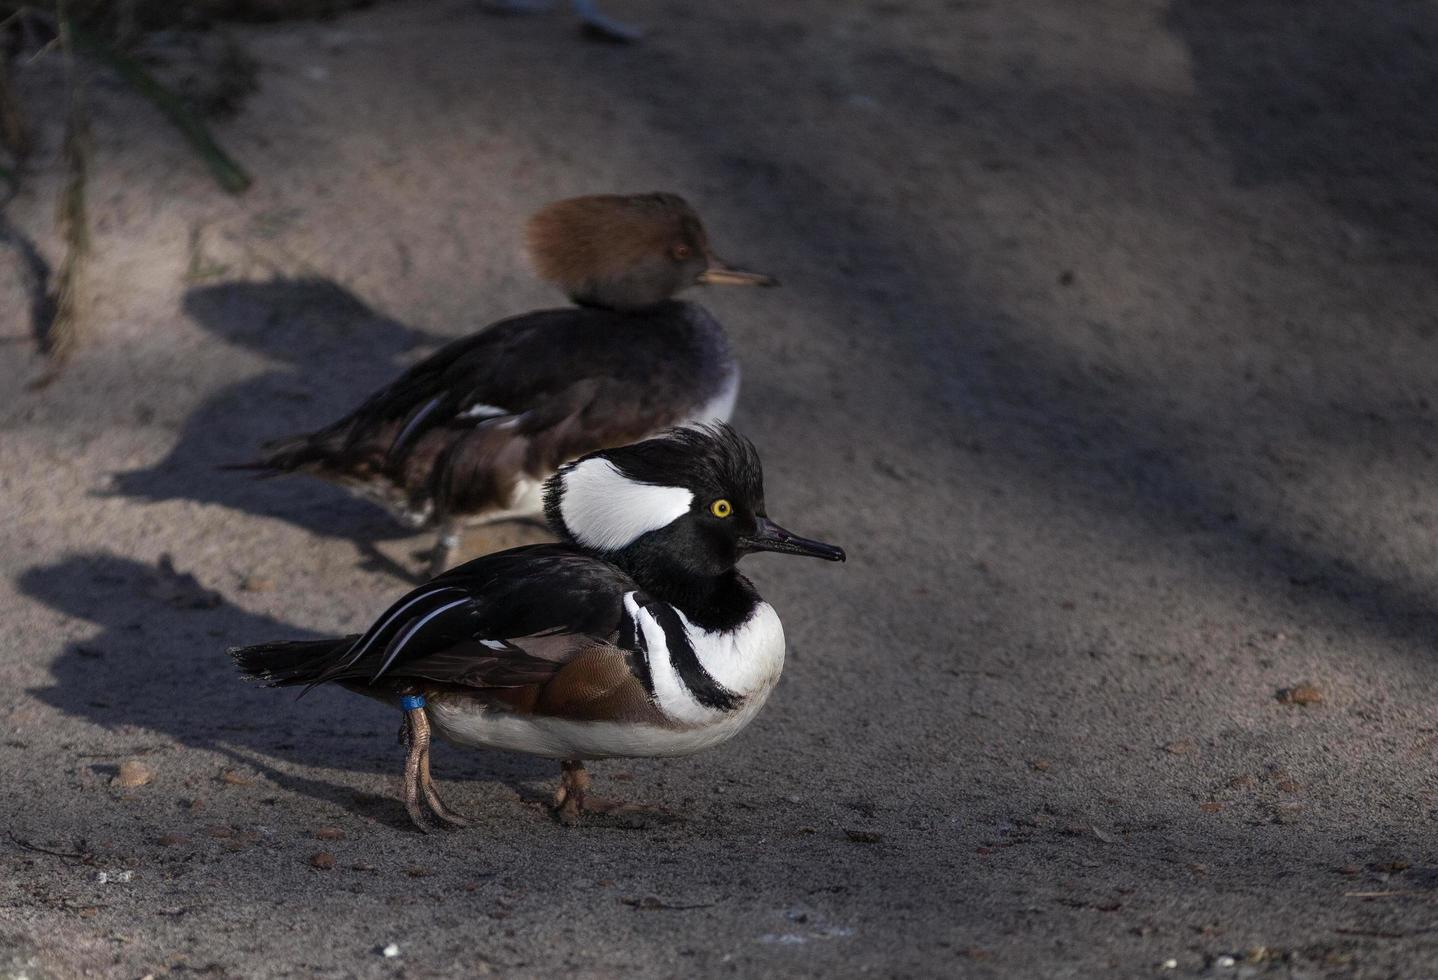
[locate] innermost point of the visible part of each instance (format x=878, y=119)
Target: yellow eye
x=721, y=508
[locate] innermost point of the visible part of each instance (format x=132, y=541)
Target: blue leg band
x=411, y=701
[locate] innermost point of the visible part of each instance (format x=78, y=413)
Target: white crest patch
x=604, y=509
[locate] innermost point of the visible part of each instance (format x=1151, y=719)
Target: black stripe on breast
x=706, y=690
x=631, y=640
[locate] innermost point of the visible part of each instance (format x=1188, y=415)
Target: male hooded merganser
x=636, y=636
x=469, y=434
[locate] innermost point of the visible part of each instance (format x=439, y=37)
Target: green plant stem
x=229, y=174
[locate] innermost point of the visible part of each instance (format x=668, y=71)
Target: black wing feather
x=437, y=632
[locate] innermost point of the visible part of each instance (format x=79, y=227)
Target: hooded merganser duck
x=635, y=636
x=470, y=433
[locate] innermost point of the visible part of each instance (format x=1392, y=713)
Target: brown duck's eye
x=682, y=251
x=721, y=508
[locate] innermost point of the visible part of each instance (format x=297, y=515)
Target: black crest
x=711, y=460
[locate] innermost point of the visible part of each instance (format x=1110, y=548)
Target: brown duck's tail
x=289, y=455
x=291, y=661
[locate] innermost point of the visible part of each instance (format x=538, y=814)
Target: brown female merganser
x=636, y=636
x=469, y=434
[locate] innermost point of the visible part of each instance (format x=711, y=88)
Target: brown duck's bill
x=722, y=274
x=769, y=536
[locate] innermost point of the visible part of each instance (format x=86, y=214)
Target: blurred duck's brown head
x=627, y=252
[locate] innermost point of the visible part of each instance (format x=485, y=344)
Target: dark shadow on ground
x=301, y=323
x=160, y=664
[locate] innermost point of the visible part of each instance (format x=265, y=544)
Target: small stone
x=1042, y=765
x=390, y=951
x=863, y=836
x=233, y=777
x=1211, y=807
x=328, y=833
x=1183, y=746
x=1224, y=962
x=1244, y=781
x=323, y=860
x=418, y=872
x=132, y=773
x=257, y=583
x=172, y=840
x=1301, y=694
x=1289, y=786
x=220, y=831
x=1168, y=965
x=1351, y=870
x=1286, y=813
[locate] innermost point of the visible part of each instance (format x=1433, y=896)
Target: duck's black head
x=627, y=252
x=688, y=503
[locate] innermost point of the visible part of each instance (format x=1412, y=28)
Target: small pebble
x=1181, y=747
x=1169, y=965
x=234, y=777
x=1224, y=962
x=1303, y=694
x=390, y=951
x=257, y=583
x=109, y=877
x=133, y=773
x=323, y=860
x=328, y=833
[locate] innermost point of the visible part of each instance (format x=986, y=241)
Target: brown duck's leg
x=417, y=779
x=435, y=801
x=446, y=548
x=573, y=798
x=573, y=788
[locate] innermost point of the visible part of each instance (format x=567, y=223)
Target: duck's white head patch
x=606, y=510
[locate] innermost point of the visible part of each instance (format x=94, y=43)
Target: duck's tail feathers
x=290, y=662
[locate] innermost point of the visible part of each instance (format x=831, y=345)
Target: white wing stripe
x=414, y=628
x=366, y=641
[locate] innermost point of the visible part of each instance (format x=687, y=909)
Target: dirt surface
x=1106, y=348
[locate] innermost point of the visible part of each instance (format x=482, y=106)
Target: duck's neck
x=717, y=603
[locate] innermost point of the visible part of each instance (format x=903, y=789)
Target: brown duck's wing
x=550, y=369
x=474, y=469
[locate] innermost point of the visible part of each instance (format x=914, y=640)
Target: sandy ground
x=1107, y=348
